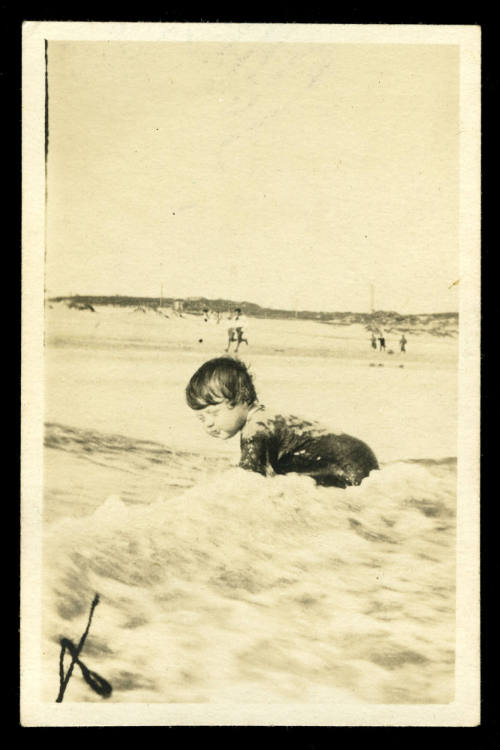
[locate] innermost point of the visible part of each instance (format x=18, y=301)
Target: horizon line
x=199, y=298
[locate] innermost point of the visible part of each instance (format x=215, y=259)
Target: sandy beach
x=125, y=372
x=217, y=584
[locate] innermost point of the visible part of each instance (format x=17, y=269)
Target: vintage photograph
x=250, y=374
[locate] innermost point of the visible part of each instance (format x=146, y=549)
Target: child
x=223, y=393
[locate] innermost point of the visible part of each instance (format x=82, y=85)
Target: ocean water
x=217, y=584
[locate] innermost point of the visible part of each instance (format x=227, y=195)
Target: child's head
x=222, y=391
x=219, y=379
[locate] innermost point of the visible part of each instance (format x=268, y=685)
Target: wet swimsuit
x=277, y=444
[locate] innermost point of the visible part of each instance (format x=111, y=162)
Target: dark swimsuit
x=277, y=444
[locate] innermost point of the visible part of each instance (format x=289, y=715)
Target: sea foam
x=262, y=589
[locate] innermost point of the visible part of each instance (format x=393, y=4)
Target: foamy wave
x=271, y=588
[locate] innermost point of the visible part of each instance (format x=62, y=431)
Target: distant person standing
x=231, y=332
x=179, y=307
x=402, y=343
x=236, y=330
x=374, y=341
x=381, y=341
x=241, y=328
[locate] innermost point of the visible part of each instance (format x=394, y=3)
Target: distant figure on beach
x=374, y=341
x=223, y=393
x=235, y=330
x=381, y=341
x=402, y=343
x=179, y=307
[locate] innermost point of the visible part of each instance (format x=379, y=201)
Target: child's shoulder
x=265, y=419
x=259, y=420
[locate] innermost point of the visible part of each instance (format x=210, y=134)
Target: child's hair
x=218, y=379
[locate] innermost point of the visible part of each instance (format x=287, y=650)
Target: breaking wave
x=229, y=586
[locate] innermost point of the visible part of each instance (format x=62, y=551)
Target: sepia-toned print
x=250, y=375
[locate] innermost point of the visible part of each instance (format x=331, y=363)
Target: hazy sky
x=290, y=175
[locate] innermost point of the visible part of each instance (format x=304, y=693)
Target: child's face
x=223, y=420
